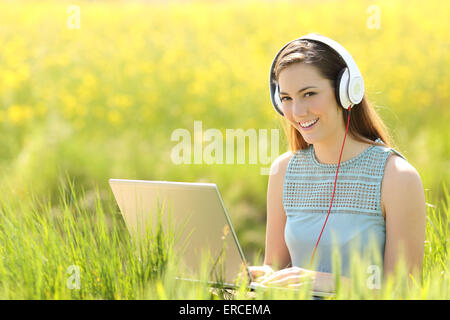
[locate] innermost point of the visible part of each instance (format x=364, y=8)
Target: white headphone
x=349, y=84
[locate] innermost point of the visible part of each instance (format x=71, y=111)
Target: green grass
x=39, y=242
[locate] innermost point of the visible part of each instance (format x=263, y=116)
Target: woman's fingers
x=288, y=276
x=288, y=272
x=256, y=272
x=259, y=271
x=293, y=276
x=288, y=280
x=281, y=282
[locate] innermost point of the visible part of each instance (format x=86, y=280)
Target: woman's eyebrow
x=299, y=90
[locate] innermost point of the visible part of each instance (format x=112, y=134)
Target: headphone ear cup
x=338, y=85
x=277, y=99
x=341, y=88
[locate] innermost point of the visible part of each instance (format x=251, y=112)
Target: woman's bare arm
x=277, y=254
x=404, y=202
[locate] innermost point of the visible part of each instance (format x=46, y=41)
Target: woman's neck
x=328, y=152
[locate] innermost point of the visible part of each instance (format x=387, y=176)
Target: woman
x=378, y=197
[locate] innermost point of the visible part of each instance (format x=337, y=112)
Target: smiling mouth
x=308, y=124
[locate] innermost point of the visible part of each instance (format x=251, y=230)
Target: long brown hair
x=365, y=124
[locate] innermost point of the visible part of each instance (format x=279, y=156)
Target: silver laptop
x=200, y=221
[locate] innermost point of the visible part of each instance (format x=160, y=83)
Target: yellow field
x=100, y=96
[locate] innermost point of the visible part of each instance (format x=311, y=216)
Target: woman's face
x=316, y=102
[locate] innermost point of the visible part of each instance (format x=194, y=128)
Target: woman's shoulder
x=401, y=182
x=279, y=165
x=399, y=171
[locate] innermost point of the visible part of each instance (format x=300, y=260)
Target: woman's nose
x=299, y=110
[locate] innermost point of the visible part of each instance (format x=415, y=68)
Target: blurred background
x=94, y=89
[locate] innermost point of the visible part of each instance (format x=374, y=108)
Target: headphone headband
x=350, y=84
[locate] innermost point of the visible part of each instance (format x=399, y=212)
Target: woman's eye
x=310, y=94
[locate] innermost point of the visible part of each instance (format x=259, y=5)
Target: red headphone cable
x=334, y=188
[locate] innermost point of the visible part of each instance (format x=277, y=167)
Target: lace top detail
x=355, y=215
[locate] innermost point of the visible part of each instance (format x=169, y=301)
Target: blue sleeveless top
x=355, y=228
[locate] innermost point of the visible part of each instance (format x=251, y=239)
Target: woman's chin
x=310, y=139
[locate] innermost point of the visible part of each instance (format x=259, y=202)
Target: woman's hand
x=289, y=277
x=260, y=272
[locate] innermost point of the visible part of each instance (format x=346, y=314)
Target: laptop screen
x=196, y=215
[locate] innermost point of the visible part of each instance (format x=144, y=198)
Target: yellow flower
x=89, y=81
x=10, y=79
x=19, y=113
x=70, y=104
x=122, y=101
x=197, y=88
x=114, y=117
